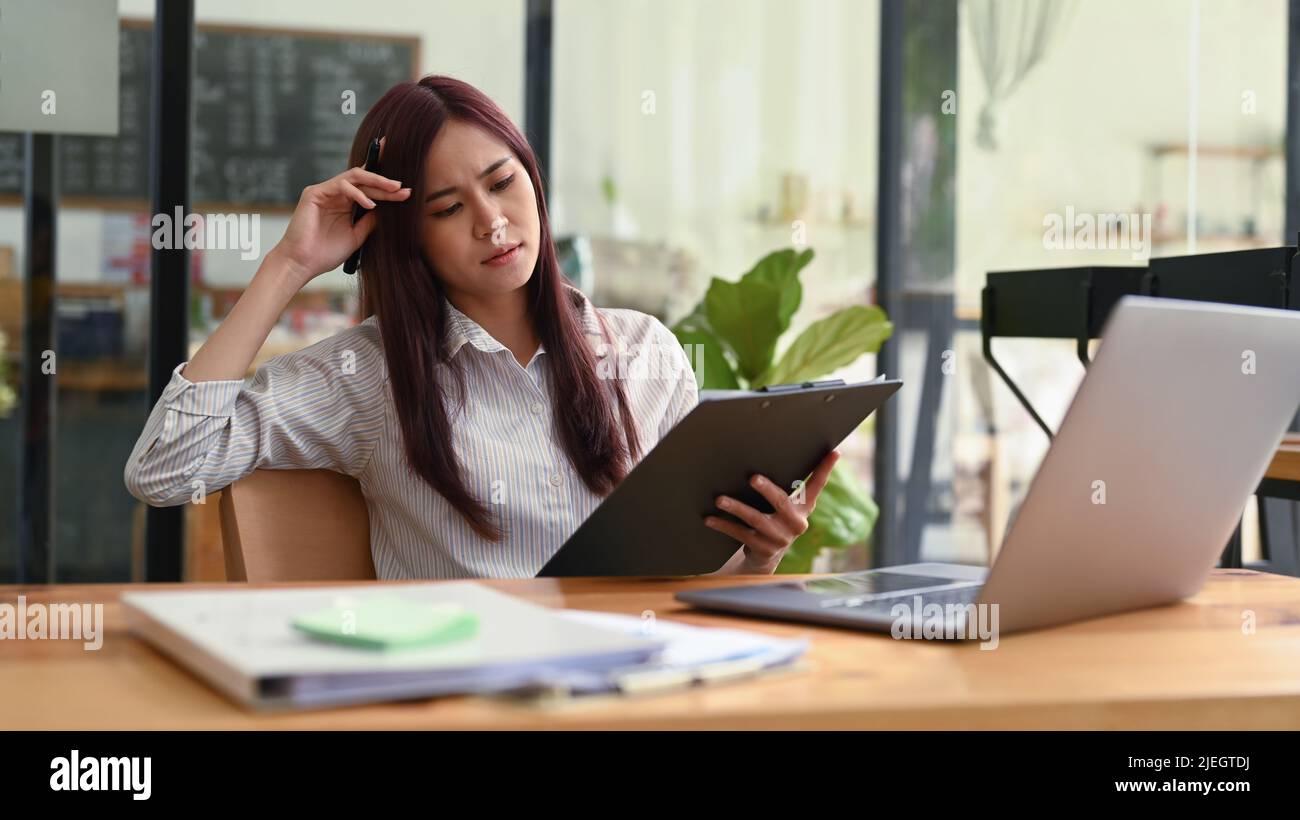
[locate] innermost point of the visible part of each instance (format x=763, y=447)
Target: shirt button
x=555, y=479
x=537, y=408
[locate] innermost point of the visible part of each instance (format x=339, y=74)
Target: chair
x=295, y=525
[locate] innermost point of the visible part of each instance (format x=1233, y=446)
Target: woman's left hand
x=766, y=536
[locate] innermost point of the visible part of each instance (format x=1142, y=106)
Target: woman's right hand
x=321, y=236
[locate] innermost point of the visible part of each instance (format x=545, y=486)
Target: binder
x=242, y=642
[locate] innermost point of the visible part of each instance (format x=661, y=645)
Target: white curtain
x=1011, y=38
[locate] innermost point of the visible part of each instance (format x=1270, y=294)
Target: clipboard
x=653, y=522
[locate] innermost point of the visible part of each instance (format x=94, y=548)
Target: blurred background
x=681, y=140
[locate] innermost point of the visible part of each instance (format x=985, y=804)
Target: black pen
x=358, y=211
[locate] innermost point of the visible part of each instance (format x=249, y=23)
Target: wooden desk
x=1182, y=666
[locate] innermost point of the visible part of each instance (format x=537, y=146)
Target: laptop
x=1166, y=439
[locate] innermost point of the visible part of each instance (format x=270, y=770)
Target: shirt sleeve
x=317, y=408
x=685, y=390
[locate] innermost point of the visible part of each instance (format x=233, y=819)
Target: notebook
x=243, y=643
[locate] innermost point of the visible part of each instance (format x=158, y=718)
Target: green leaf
x=750, y=315
x=845, y=514
x=781, y=270
x=829, y=344
x=705, y=352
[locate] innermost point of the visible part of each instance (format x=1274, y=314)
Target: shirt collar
x=462, y=329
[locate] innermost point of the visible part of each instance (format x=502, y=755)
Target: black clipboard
x=653, y=522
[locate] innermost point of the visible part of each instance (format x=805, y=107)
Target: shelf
x=1244, y=239
x=853, y=225
x=1253, y=152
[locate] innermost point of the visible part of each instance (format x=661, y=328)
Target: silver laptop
x=1166, y=439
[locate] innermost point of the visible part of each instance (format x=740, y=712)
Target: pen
x=358, y=211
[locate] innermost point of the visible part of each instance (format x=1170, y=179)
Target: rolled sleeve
x=215, y=398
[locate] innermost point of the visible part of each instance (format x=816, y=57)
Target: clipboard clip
x=795, y=386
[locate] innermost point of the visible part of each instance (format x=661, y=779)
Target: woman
x=470, y=404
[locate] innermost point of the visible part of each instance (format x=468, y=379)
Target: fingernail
x=723, y=501
x=757, y=481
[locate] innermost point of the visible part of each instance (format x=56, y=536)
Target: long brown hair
x=399, y=288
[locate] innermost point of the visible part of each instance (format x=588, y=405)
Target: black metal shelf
x=1061, y=303
x=1074, y=303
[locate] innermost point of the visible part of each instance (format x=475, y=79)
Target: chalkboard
x=268, y=117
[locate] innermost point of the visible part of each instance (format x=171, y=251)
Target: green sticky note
x=389, y=622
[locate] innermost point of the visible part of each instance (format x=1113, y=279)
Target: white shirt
x=328, y=407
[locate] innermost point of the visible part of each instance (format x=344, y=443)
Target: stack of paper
x=243, y=642
x=690, y=655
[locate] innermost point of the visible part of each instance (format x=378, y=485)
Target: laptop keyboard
x=959, y=596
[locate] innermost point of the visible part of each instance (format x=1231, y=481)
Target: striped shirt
x=328, y=406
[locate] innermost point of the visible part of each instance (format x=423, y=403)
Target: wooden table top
x=1190, y=665
x=1286, y=461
